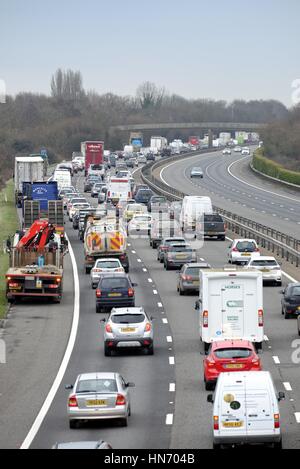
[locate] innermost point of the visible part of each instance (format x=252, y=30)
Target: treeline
x=70, y=115
x=282, y=140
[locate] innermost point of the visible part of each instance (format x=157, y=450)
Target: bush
x=276, y=170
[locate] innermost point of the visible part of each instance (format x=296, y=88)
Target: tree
x=149, y=96
x=67, y=85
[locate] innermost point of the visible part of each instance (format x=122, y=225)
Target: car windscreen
x=114, y=283
x=78, y=201
x=264, y=263
x=107, y=264
x=127, y=318
x=245, y=246
x=97, y=385
x=233, y=353
x=295, y=291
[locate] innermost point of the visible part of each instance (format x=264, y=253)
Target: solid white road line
x=65, y=362
x=169, y=419
x=172, y=387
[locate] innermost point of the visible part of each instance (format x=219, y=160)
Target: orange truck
x=105, y=238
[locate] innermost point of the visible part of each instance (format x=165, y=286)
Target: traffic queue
x=229, y=303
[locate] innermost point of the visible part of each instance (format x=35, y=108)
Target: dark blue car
x=114, y=291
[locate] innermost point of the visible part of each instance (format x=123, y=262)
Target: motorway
x=169, y=408
x=233, y=186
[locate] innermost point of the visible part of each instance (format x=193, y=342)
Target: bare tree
x=149, y=95
x=67, y=85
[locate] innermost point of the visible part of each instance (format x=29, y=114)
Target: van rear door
x=232, y=415
x=260, y=409
x=233, y=310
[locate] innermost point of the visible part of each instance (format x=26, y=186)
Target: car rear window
x=295, y=291
x=213, y=219
x=193, y=271
x=78, y=201
x=233, y=353
x=264, y=263
x=180, y=249
x=97, y=385
x=174, y=240
x=127, y=318
x=245, y=246
x=112, y=283
x=108, y=264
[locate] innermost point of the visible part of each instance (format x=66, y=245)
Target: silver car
x=102, y=266
x=98, y=396
x=128, y=328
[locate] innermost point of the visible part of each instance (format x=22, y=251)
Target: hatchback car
x=97, y=188
x=290, y=301
x=76, y=207
x=128, y=328
x=237, y=149
x=229, y=356
x=105, y=266
x=158, y=203
x=133, y=209
x=179, y=254
x=226, y=151
x=189, y=279
x=98, y=396
x=77, y=199
x=113, y=291
x=143, y=196
x=241, y=250
x=140, y=224
x=196, y=172
x=271, y=270
x=165, y=245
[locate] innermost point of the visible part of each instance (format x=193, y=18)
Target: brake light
x=121, y=400
x=148, y=327
x=73, y=401
x=256, y=363
x=235, y=249
x=98, y=293
x=108, y=194
x=58, y=279
x=256, y=249
x=108, y=328
x=205, y=318
x=130, y=292
x=216, y=422
x=211, y=363
x=13, y=285
x=260, y=317
x=276, y=421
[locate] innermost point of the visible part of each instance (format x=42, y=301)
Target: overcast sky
x=248, y=49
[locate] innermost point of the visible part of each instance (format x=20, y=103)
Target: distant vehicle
x=96, y=170
x=188, y=278
x=90, y=181
x=165, y=245
x=193, y=209
x=128, y=328
x=230, y=356
x=138, y=186
x=161, y=229
x=133, y=209
x=235, y=421
x=150, y=157
x=213, y=227
x=290, y=301
x=97, y=188
x=179, y=254
x=143, y=196
x=237, y=149
x=107, y=266
x=76, y=199
x=63, y=178
x=226, y=151
x=86, y=445
x=268, y=265
x=98, y=396
x=196, y=172
x=114, y=291
x=76, y=207
x=93, y=153
x=66, y=165
x=158, y=203
x=245, y=151
x=241, y=250
x=140, y=224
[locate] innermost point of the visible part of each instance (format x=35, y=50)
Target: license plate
x=181, y=256
x=96, y=403
x=39, y=284
x=264, y=270
x=128, y=329
x=210, y=233
x=233, y=424
x=232, y=366
x=114, y=294
x=29, y=279
x=246, y=254
x=196, y=282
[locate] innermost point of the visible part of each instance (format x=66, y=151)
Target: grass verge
x=9, y=223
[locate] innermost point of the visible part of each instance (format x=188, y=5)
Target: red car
x=229, y=355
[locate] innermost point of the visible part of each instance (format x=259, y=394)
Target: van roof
x=241, y=376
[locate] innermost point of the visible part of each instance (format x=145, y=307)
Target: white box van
x=63, y=178
x=192, y=211
x=231, y=305
x=118, y=188
x=246, y=410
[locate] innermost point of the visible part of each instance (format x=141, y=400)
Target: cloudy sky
x=248, y=49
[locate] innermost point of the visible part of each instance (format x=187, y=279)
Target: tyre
x=181, y=292
x=73, y=424
x=87, y=270
x=124, y=422
x=221, y=238
x=154, y=246
x=282, y=311
x=279, y=284
x=98, y=309
x=209, y=386
x=107, y=351
x=167, y=267
x=258, y=346
x=11, y=300
x=94, y=286
x=150, y=350
x=216, y=446
x=287, y=316
x=57, y=300
x=126, y=269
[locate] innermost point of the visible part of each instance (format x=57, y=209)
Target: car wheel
x=282, y=311
x=98, y=309
x=124, y=422
x=209, y=386
x=154, y=246
x=87, y=270
x=150, y=350
x=73, y=424
x=167, y=267
x=107, y=351
x=287, y=316
x=94, y=286
x=126, y=269
x=181, y=292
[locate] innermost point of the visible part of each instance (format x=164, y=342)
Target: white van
x=118, y=188
x=63, y=178
x=246, y=410
x=192, y=211
x=231, y=305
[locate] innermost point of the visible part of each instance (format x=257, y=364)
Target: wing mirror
x=281, y=396
x=69, y=387
x=210, y=398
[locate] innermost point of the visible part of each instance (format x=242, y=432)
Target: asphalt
x=278, y=208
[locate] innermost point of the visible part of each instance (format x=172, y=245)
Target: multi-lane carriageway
x=169, y=408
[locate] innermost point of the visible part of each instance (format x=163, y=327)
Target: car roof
x=244, y=239
x=264, y=258
x=133, y=310
x=108, y=259
x=232, y=343
x=202, y=265
x=116, y=275
x=80, y=445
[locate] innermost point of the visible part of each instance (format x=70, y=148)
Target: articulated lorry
x=92, y=152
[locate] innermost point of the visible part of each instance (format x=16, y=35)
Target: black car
x=150, y=157
x=143, y=196
x=214, y=226
x=89, y=183
x=290, y=301
x=137, y=187
x=114, y=291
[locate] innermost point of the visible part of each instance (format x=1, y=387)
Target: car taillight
x=211, y=363
x=122, y=257
x=276, y=421
x=121, y=400
x=130, y=292
x=73, y=401
x=235, y=250
x=13, y=285
x=97, y=270
x=108, y=328
x=98, y=293
x=205, y=318
x=120, y=269
x=108, y=194
x=148, y=327
x=260, y=317
x=58, y=279
x=216, y=422
x=256, y=363
x=256, y=249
